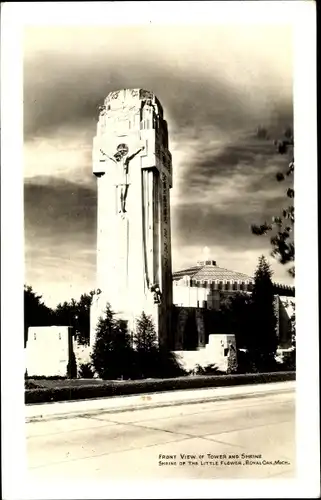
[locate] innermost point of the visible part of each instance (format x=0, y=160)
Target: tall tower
x=133, y=167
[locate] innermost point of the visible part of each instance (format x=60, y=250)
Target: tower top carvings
x=131, y=94
x=132, y=97
x=133, y=117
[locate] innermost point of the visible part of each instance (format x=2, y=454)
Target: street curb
x=151, y=405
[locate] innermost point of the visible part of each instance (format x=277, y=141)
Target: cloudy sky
x=217, y=85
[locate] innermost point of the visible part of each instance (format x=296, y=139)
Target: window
x=59, y=336
x=226, y=351
x=34, y=336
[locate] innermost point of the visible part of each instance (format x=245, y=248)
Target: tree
x=77, y=315
x=289, y=358
x=235, y=312
x=112, y=355
x=152, y=359
x=282, y=241
x=146, y=347
x=145, y=338
x=82, y=326
x=293, y=324
x=72, y=366
x=291, y=304
x=262, y=342
x=36, y=313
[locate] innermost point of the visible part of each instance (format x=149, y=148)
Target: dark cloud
x=60, y=238
x=247, y=167
x=214, y=226
x=65, y=83
x=193, y=104
x=239, y=157
x=224, y=107
x=60, y=210
x=206, y=225
x=75, y=96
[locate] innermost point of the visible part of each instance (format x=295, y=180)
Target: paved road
x=155, y=443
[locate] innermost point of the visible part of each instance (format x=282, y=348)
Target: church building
x=197, y=295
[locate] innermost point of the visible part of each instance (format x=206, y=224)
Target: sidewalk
x=71, y=409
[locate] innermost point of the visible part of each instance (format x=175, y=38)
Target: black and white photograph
x=161, y=148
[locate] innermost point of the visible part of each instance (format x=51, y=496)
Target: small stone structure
x=49, y=350
x=216, y=352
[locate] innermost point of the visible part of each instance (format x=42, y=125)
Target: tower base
x=161, y=321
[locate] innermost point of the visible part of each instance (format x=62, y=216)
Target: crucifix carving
x=121, y=158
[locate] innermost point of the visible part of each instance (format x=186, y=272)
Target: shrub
x=232, y=359
x=207, y=370
x=110, y=388
x=86, y=371
x=289, y=360
x=243, y=362
x=31, y=385
x=45, y=377
x=167, y=364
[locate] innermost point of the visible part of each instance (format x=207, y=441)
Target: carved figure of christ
x=123, y=159
x=125, y=185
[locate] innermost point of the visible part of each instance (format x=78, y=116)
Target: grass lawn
x=80, y=382
x=76, y=382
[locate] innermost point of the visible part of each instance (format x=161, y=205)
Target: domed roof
x=209, y=271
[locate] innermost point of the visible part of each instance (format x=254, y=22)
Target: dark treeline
x=252, y=318
x=118, y=353
x=75, y=313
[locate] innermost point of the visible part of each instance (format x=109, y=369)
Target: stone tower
x=133, y=167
